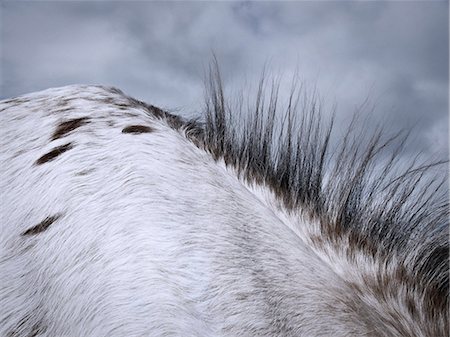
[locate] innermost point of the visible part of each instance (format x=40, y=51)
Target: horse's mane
x=359, y=191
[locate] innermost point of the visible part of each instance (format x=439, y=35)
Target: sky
x=391, y=55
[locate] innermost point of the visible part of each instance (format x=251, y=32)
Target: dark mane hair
x=381, y=209
x=362, y=197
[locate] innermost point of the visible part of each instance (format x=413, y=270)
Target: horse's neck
x=159, y=231
x=274, y=280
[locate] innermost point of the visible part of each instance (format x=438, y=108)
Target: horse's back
x=119, y=219
x=114, y=224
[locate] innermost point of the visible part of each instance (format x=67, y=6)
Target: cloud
x=396, y=53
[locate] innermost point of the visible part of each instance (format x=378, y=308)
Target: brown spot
x=54, y=153
x=21, y=329
x=65, y=127
x=411, y=305
x=41, y=226
x=135, y=129
x=156, y=111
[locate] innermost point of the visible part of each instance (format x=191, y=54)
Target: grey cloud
x=394, y=52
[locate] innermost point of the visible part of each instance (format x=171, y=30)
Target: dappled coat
x=120, y=219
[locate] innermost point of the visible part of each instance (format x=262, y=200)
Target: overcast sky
x=394, y=53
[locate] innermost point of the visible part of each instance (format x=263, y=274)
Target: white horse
x=120, y=219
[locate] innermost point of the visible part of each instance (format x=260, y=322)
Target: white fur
x=155, y=238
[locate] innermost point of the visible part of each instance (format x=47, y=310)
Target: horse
x=119, y=218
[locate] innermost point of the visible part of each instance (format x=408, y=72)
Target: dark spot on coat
x=65, y=127
x=54, y=153
x=41, y=226
x=135, y=129
x=21, y=330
